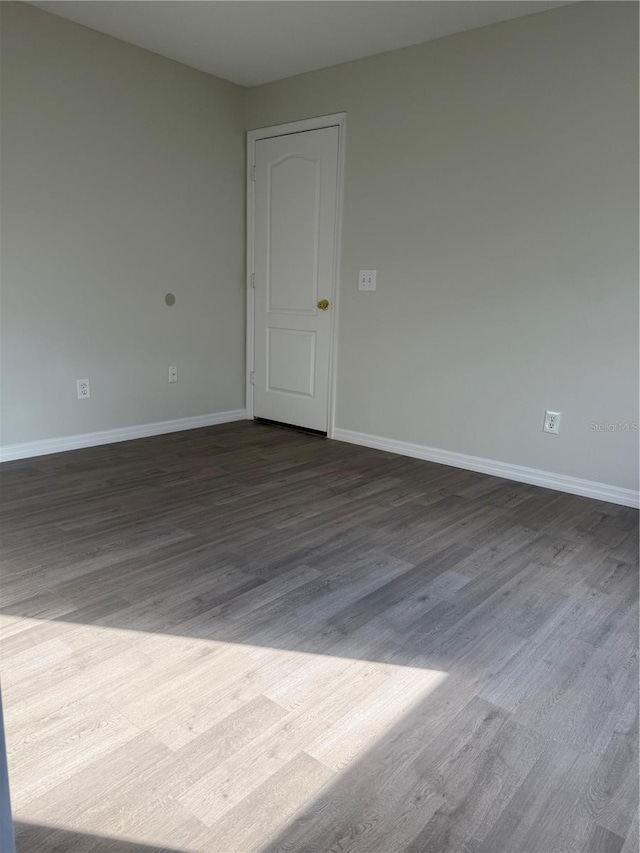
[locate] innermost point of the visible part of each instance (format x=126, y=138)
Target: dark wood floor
x=244, y=638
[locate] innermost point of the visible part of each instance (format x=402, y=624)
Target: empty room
x=319, y=426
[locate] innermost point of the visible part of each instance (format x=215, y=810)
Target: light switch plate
x=367, y=279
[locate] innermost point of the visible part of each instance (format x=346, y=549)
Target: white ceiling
x=254, y=41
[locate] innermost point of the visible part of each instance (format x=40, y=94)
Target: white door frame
x=338, y=120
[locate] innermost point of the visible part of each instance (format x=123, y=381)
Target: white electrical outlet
x=367, y=279
x=173, y=374
x=83, y=389
x=552, y=422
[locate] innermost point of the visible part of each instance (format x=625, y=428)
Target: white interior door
x=295, y=195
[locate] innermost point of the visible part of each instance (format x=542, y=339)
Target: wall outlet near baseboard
x=173, y=374
x=552, y=422
x=83, y=389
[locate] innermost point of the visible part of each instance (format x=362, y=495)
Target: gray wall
x=491, y=180
x=122, y=179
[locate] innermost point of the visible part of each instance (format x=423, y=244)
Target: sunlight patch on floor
x=145, y=737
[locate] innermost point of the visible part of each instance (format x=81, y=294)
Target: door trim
x=338, y=120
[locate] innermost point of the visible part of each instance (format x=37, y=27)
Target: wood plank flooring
x=244, y=638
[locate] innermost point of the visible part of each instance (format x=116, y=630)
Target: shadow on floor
x=45, y=839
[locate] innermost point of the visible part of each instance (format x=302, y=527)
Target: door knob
x=323, y=305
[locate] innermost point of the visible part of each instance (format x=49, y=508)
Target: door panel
x=294, y=244
x=294, y=212
x=291, y=361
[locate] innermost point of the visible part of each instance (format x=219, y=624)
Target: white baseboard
x=110, y=436
x=506, y=470
x=559, y=482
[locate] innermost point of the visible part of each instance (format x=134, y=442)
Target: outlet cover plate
x=83, y=389
x=552, y=422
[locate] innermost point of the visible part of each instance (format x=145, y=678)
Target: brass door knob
x=323, y=305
